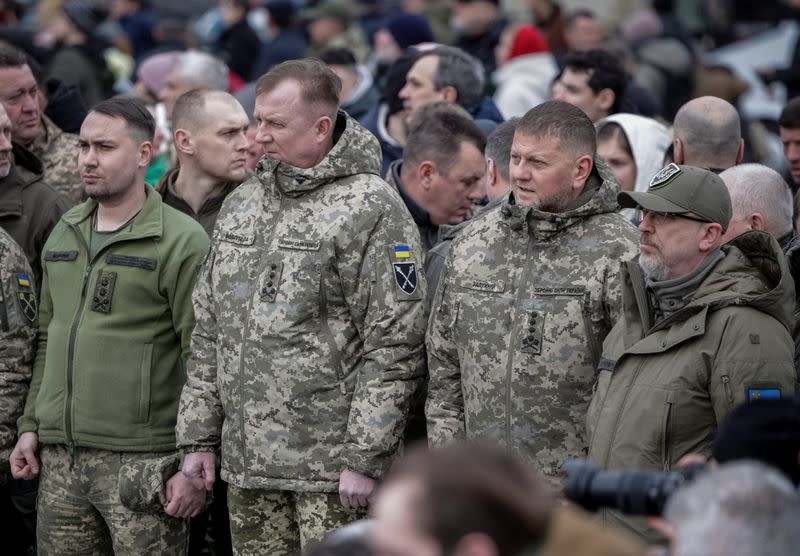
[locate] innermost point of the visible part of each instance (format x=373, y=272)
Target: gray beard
x=654, y=268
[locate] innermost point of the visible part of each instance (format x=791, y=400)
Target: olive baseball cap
x=681, y=189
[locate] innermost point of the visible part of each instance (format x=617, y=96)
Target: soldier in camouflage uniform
x=17, y=342
x=116, y=318
x=528, y=292
x=57, y=150
x=310, y=324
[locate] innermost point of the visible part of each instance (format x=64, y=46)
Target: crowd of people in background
x=358, y=277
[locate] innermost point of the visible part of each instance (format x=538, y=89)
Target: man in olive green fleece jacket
x=115, y=318
x=703, y=328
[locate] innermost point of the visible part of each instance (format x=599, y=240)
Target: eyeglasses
x=658, y=218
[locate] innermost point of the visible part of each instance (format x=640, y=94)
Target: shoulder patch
x=26, y=298
x=763, y=393
x=405, y=271
x=665, y=176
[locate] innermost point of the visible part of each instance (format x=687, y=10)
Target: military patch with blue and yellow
x=26, y=297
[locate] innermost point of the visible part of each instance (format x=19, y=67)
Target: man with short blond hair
x=310, y=322
x=210, y=138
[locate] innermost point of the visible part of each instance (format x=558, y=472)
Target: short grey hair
x=498, y=146
x=459, y=70
x=744, y=508
x=710, y=130
x=758, y=188
x=202, y=70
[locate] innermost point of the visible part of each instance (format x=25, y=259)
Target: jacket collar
x=166, y=188
x=148, y=223
x=598, y=196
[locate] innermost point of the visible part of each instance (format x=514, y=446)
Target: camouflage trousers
x=283, y=523
x=80, y=510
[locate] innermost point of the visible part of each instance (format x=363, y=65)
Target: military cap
x=682, y=189
x=333, y=9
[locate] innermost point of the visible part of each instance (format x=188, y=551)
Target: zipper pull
x=726, y=382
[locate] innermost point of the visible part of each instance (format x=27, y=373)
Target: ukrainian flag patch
x=402, y=251
x=23, y=280
x=763, y=394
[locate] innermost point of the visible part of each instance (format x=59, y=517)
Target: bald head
x=708, y=134
x=761, y=200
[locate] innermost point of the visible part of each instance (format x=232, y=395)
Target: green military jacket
x=17, y=339
x=114, y=331
x=664, y=388
x=310, y=323
x=207, y=216
x=522, y=307
x=29, y=207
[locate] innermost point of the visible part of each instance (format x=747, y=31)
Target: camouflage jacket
x=17, y=338
x=665, y=386
x=520, y=313
x=310, y=323
x=58, y=151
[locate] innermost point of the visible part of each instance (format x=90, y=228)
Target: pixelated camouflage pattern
x=352, y=39
x=80, y=512
x=283, y=523
x=17, y=343
x=58, y=151
x=306, y=349
x=665, y=387
x=520, y=313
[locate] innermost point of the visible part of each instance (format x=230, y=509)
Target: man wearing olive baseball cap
x=704, y=327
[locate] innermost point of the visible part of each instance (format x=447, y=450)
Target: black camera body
x=631, y=491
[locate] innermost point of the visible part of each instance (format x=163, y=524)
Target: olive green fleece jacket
x=114, y=331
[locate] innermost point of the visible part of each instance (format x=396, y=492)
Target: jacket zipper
x=73, y=332
x=259, y=266
x=665, y=440
x=336, y=359
x=515, y=336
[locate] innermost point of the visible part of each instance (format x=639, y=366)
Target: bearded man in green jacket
x=704, y=327
x=115, y=319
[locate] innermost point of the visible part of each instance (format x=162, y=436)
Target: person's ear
x=582, y=169
x=145, y=154
x=756, y=221
x=710, y=239
x=322, y=128
x=450, y=93
x=426, y=171
x=678, y=154
x=183, y=141
x=605, y=99
x=740, y=152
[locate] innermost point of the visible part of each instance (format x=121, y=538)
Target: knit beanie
x=528, y=40
x=410, y=30
x=766, y=430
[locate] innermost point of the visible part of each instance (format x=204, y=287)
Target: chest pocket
x=557, y=325
x=292, y=276
x=482, y=316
